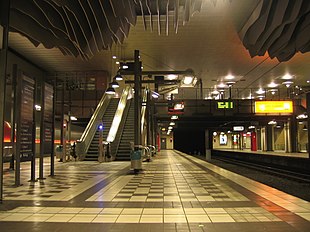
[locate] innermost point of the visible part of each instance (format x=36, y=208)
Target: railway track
x=300, y=177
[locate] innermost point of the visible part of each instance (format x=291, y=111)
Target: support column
x=137, y=101
x=209, y=144
x=42, y=130
x=52, y=168
x=263, y=139
x=4, y=23
x=287, y=137
x=308, y=121
x=148, y=118
x=269, y=137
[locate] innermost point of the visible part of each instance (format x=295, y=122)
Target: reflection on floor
x=175, y=192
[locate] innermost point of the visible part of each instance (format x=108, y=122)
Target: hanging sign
x=272, y=107
x=225, y=105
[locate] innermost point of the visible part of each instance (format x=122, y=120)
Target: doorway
x=163, y=143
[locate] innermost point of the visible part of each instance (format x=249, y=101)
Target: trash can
x=58, y=151
x=136, y=156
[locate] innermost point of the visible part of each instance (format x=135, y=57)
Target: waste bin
x=136, y=156
x=59, y=151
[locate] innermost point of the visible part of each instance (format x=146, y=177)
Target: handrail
x=88, y=134
x=118, y=115
x=143, y=110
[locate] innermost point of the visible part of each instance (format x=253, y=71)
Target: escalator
x=121, y=146
x=92, y=153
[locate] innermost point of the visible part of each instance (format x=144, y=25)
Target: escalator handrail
x=90, y=130
x=118, y=115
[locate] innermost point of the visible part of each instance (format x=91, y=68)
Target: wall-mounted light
x=37, y=107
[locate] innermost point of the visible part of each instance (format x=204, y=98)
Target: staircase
x=92, y=153
x=127, y=136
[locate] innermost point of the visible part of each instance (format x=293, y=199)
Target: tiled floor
x=175, y=192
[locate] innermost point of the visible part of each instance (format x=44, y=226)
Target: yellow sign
x=273, y=107
x=225, y=105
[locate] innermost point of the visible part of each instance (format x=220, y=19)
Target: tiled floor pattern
x=293, y=204
x=173, y=179
x=173, y=189
x=138, y=215
x=70, y=180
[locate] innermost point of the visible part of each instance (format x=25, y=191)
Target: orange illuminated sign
x=273, y=107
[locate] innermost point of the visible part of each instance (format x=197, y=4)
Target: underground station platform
x=174, y=192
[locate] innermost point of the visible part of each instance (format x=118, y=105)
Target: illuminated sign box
x=238, y=128
x=225, y=105
x=273, y=107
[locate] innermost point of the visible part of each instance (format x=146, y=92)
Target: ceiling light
x=287, y=83
x=229, y=77
x=72, y=118
x=117, y=62
x=273, y=122
x=179, y=106
x=188, y=80
x=272, y=85
x=163, y=129
x=305, y=128
x=172, y=123
x=260, y=91
x=215, y=92
x=287, y=77
x=114, y=57
x=174, y=117
x=251, y=127
x=221, y=85
x=118, y=77
x=110, y=91
x=170, y=127
x=114, y=84
x=302, y=116
x=125, y=66
x=155, y=95
x=308, y=81
x=172, y=77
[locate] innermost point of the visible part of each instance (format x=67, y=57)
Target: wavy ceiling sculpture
x=279, y=27
x=82, y=28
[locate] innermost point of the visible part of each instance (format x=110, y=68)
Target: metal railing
x=239, y=93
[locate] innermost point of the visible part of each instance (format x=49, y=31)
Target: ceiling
x=210, y=43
